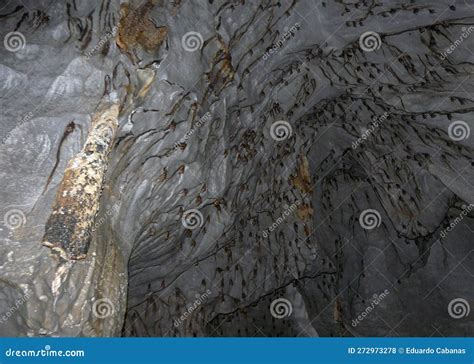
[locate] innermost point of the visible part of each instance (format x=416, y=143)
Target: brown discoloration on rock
x=175, y=5
x=222, y=72
x=68, y=229
x=302, y=179
x=337, y=310
x=137, y=30
x=304, y=212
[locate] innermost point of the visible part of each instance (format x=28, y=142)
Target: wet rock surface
x=289, y=168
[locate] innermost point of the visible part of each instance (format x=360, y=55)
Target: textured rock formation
x=68, y=231
x=280, y=168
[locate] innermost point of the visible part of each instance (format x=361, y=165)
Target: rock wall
x=281, y=168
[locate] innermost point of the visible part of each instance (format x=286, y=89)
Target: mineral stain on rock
x=137, y=30
x=68, y=229
x=302, y=179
